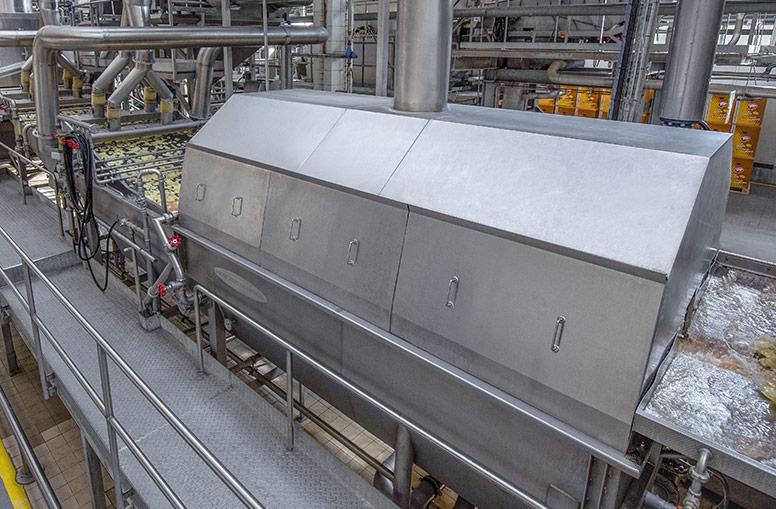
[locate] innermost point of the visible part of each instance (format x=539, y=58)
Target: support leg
x=94, y=475
x=10, y=351
x=217, y=332
x=405, y=459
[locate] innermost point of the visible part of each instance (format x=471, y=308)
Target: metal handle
x=560, y=323
x=296, y=228
x=200, y=192
x=452, y=292
x=352, y=252
x=237, y=204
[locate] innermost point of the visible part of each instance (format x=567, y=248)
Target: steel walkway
x=242, y=429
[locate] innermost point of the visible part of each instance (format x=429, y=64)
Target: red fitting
x=175, y=241
x=162, y=290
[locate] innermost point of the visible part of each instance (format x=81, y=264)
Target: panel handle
x=199, y=193
x=296, y=228
x=237, y=204
x=560, y=324
x=452, y=292
x=352, y=252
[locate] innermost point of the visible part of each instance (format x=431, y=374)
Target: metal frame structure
x=104, y=403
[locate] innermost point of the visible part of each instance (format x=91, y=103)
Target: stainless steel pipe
x=51, y=39
x=17, y=38
x=423, y=61
x=690, y=60
x=200, y=99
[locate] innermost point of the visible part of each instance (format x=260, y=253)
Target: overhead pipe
x=424, y=36
x=19, y=38
x=613, y=9
x=690, y=61
x=554, y=76
x=50, y=39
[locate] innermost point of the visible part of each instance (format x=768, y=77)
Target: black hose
x=83, y=206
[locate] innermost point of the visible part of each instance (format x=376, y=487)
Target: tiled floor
x=52, y=433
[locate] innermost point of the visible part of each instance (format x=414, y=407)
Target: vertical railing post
x=290, y=398
x=198, y=331
x=112, y=442
x=138, y=289
x=44, y=383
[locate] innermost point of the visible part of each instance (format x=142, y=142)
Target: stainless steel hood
x=551, y=258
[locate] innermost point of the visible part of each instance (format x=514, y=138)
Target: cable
x=83, y=205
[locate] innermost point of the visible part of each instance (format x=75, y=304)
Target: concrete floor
x=750, y=224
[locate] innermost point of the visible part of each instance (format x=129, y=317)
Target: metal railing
x=293, y=352
x=29, y=459
x=105, y=403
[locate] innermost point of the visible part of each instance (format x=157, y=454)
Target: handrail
x=105, y=351
x=493, y=477
x=602, y=451
x=28, y=455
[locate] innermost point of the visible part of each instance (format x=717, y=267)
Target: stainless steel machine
x=508, y=280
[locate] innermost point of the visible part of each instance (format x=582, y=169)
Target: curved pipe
x=737, y=29
x=50, y=39
x=200, y=99
x=128, y=84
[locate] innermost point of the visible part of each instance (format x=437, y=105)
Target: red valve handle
x=175, y=241
x=162, y=290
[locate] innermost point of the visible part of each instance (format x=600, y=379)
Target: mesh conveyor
x=126, y=160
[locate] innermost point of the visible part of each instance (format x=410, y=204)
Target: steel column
x=690, y=61
x=383, y=35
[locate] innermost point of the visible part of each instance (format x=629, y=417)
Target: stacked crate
x=745, y=126
x=588, y=102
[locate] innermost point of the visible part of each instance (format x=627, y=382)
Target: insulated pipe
x=423, y=62
x=17, y=38
x=49, y=12
x=737, y=29
x=133, y=79
x=9, y=70
x=613, y=9
x=690, y=61
x=200, y=99
x=50, y=39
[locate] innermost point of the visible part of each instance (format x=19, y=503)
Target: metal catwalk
x=243, y=430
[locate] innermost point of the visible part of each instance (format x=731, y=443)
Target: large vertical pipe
x=423, y=61
x=690, y=61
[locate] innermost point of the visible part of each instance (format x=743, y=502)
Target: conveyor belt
x=123, y=159
x=243, y=430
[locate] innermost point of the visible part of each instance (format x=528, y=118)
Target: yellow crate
x=745, y=142
x=719, y=109
x=720, y=128
x=588, y=99
x=750, y=112
x=547, y=105
x=568, y=98
x=741, y=175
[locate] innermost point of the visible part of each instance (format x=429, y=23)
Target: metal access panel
x=231, y=213
x=514, y=315
x=338, y=245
